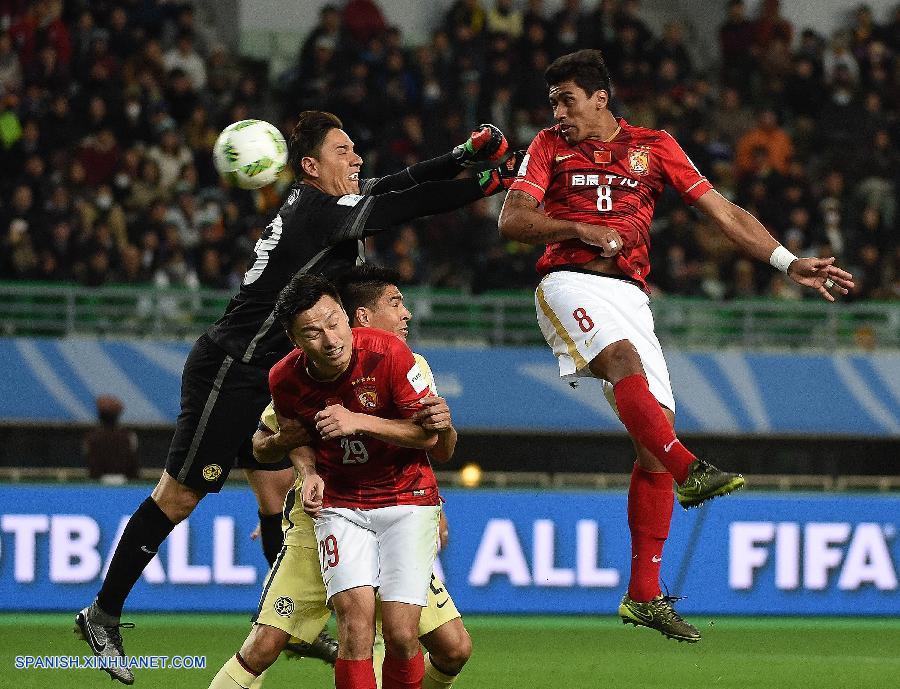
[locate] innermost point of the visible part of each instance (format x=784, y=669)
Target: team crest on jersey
x=284, y=606
x=368, y=398
x=211, y=472
x=639, y=160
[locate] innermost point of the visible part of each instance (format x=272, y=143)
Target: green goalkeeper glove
x=487, y=144
x=501, y=178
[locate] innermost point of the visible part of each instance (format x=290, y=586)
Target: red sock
x=650, y=500
x=354, y=674
x=647, y=423
x=398, y=673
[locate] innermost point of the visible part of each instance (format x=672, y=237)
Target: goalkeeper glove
x=487, y=144
x=501, y=178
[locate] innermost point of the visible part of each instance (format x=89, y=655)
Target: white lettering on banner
x=868, y=560
x=861, y=554
x=586, y=548
x=818, y=554
x=224, y=569
x=500, y=553
x=545, y=573
x=180, y=569
x=73, y=552
x=787, y=556
x=743, y=555
x=25, y=528
x=73, y=549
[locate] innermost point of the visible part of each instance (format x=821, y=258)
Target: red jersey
x=384, y=380
x=614, y=183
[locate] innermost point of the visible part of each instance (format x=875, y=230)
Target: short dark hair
x=301, y=294
x=362, y=286
x=586, y=68
x=308, y=135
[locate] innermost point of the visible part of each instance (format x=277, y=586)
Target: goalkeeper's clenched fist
x=487, y=144
x=501, y=178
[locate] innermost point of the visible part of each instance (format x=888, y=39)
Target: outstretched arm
x=487, y=144
x=437, y=197
x=748, y=233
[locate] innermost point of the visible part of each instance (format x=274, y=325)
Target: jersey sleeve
x=268, y=421
x=426, y=370
x=535, y=172
x=327, y=219
x=408, y=381
x=680, y=171
x=282, y=396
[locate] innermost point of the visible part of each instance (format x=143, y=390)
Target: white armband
x=781, y=258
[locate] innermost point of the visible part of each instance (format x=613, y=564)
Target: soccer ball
x=249, y=154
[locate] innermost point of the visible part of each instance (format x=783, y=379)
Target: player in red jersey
x=371, y=488
x=598, y=179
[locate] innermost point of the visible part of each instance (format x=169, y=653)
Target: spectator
x=736, y=38
x=185, y=58
x=109, y=450
x=767, y=137
x=363, y=20
x=505, y=19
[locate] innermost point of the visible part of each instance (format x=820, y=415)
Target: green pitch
x=515, y=652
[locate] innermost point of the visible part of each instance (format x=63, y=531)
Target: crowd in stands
x=109, y=110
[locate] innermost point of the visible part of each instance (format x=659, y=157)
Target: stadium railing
x=446, y=317
x=515, y=479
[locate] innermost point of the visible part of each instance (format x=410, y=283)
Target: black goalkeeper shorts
x=221, y=401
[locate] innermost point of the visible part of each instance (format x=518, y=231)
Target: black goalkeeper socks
x=271, y=535
x=146, y=530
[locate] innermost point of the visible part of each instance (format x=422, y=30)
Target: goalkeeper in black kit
x=319, y=229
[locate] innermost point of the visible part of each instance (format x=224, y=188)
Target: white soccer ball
x=249, y=154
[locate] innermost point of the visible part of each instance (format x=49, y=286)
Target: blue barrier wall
x=726, y=392
x=510, y=552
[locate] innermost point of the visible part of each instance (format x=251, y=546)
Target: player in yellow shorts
x=293, y=597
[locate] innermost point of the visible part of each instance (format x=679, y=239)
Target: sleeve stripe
x=528, y=181
x=699, y=181
x=356, y=222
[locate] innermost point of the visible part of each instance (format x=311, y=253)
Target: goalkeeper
x=319, y=229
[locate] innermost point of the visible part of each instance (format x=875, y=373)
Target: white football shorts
x=580, y=314
x=391, y=549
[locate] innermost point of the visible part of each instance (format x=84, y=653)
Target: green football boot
x=705, y=482
x=658, y=614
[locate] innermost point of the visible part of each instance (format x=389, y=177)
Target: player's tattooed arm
x=271, y=447
x=748, y=233
x=304, y=461
x=521, y=220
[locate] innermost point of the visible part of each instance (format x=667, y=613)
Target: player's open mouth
x=354, y=176
x=334, y=353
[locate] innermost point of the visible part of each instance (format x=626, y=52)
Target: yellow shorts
x=293, y=597
x=440, y=608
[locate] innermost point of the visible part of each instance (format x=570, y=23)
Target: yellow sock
x=378, y=657
x=258, y=682
x=232, y=676
x=434, y=678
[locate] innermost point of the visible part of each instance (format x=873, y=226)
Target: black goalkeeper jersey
x=313, y=232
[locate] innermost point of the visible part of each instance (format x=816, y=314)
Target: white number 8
x=604, y=198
